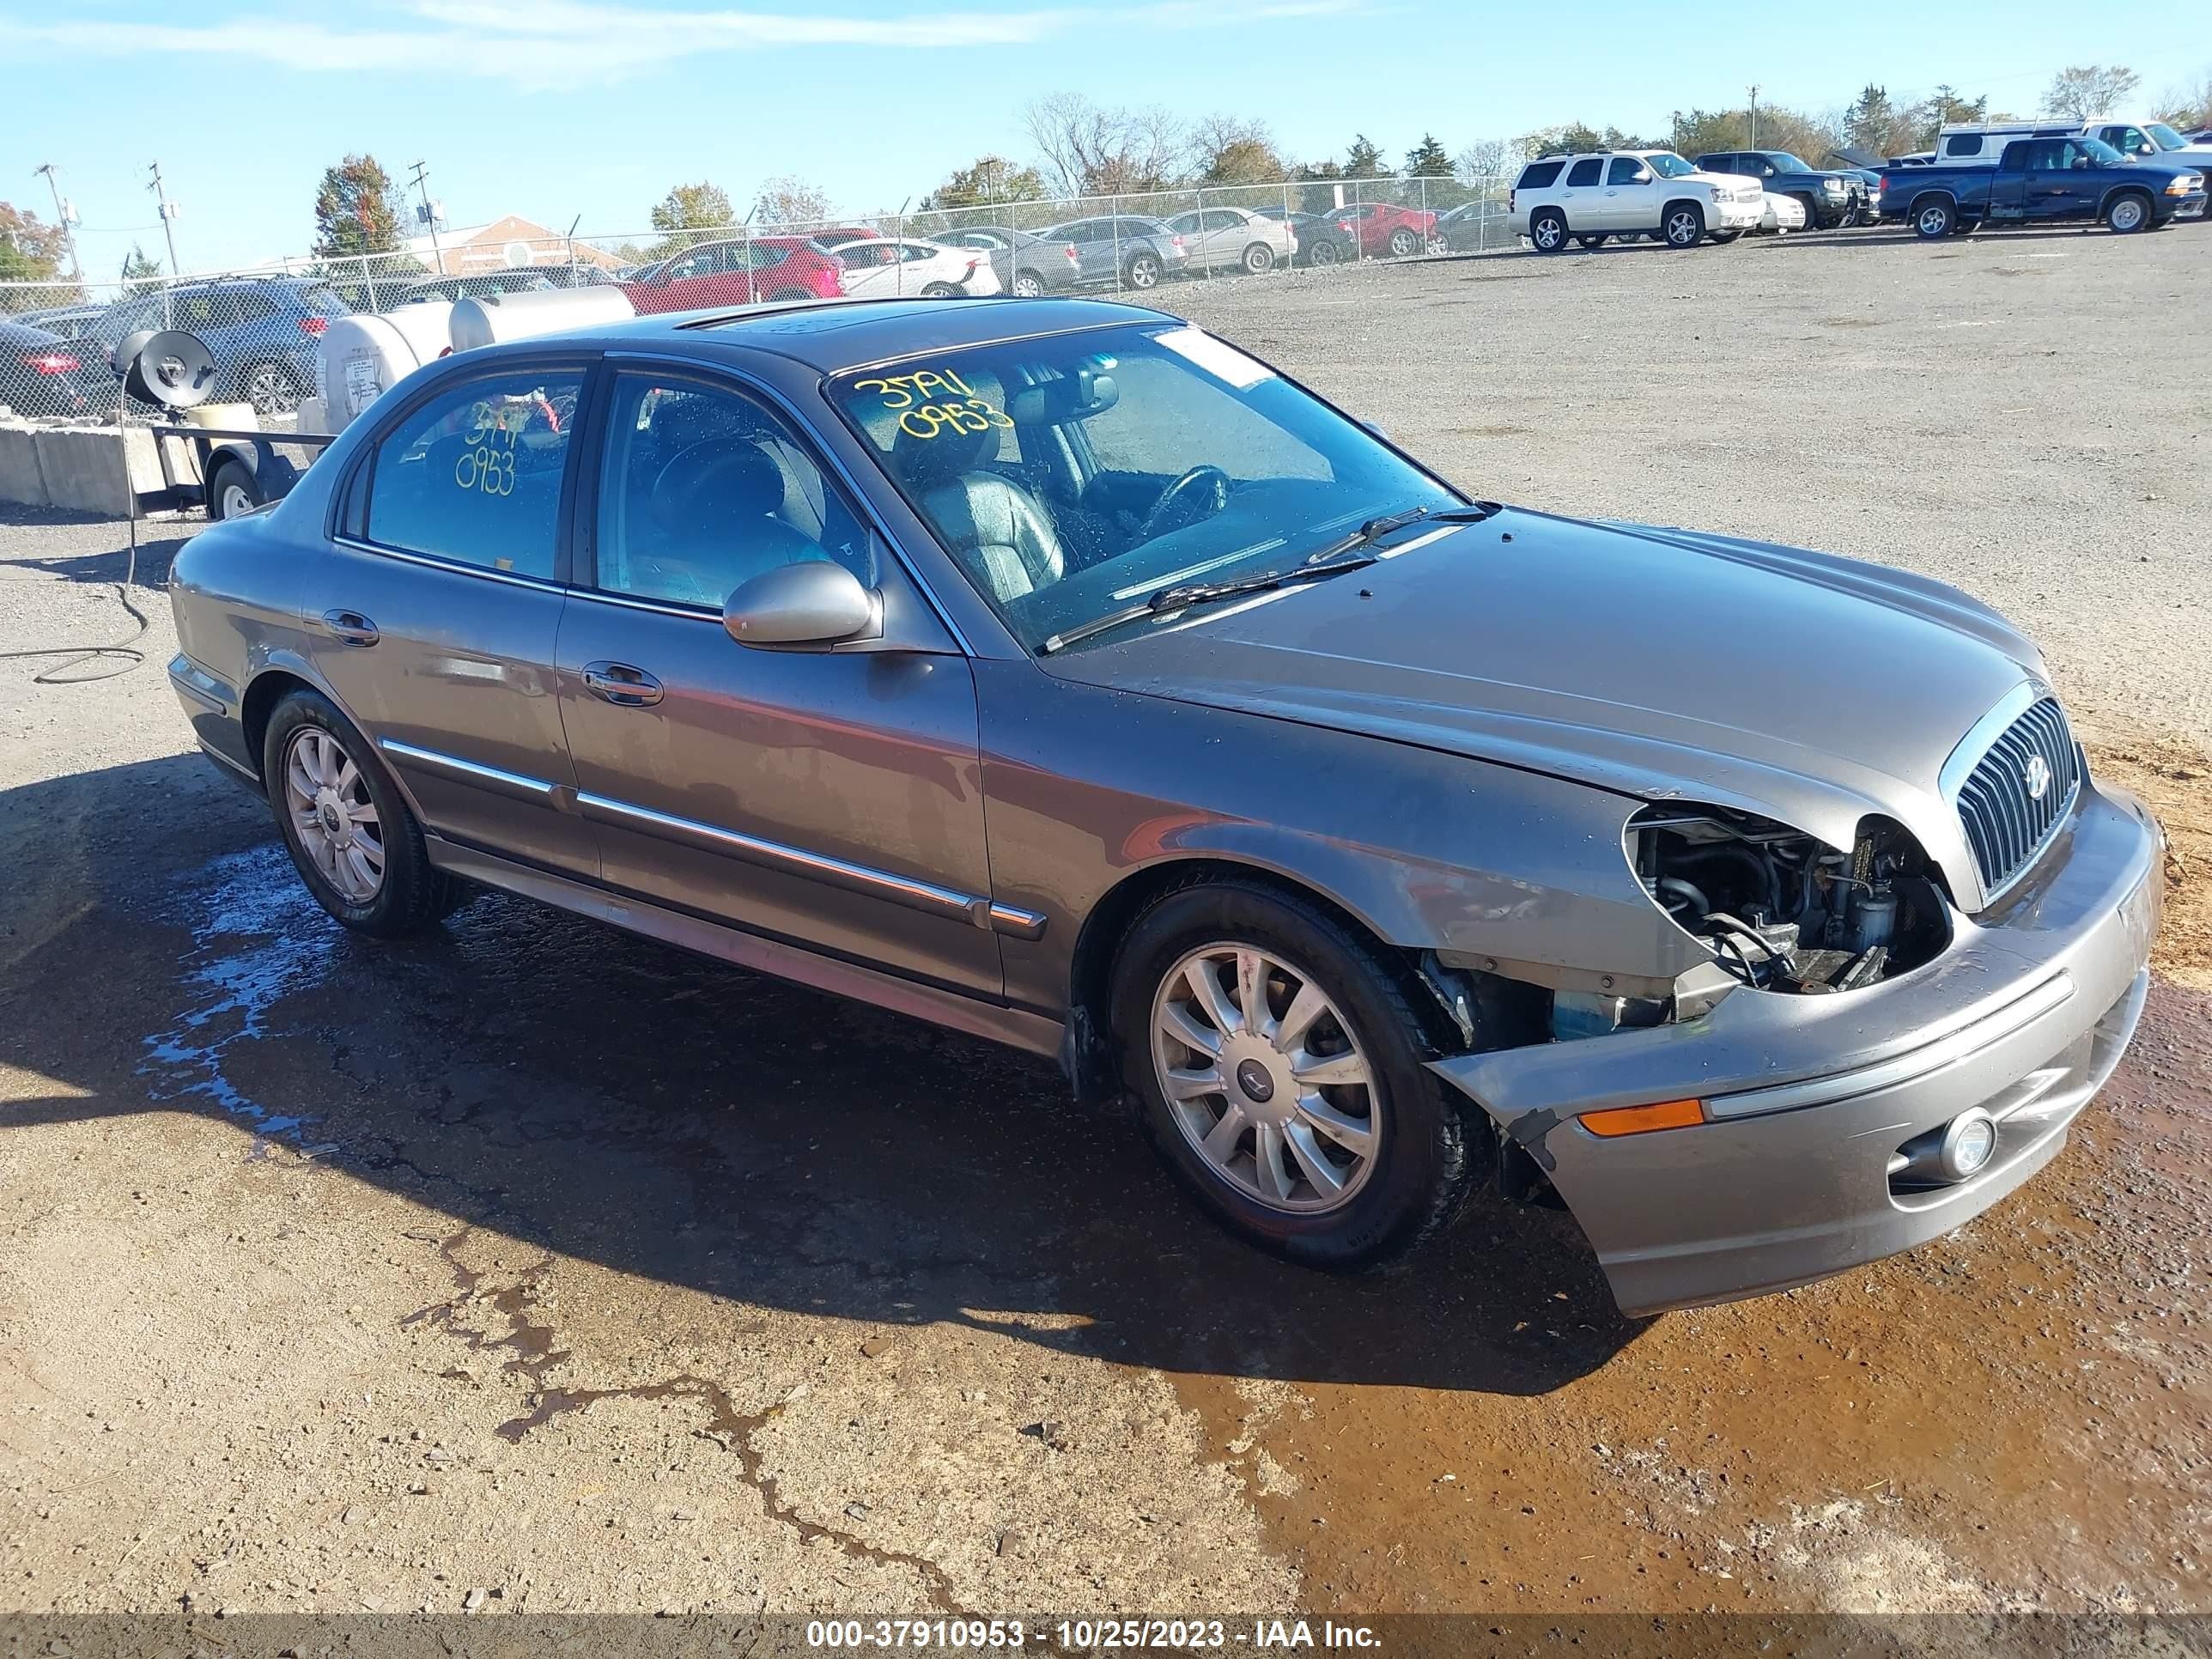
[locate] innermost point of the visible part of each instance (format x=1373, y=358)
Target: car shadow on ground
x=606, y=1099
x=159, y=540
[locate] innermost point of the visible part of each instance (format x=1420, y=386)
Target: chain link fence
x=263, y=326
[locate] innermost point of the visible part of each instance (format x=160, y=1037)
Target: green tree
x=1231, y=149
x=1428, y=159
x=140, y=273
x=990, y=181
x=687, y=213
x=357, y=210
x=2087, y=90
x=1363, y=160
x=31, y=252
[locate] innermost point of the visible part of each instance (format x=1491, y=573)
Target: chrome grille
x=2006, y=824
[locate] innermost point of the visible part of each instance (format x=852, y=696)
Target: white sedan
x=883, y=268
x=1779, y=215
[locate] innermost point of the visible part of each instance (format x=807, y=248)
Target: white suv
x=1629, y=193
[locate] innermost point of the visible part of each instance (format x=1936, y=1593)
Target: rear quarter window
x=1538, y=175
x=1963, y=143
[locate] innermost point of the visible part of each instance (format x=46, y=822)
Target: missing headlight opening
x=1784, y=912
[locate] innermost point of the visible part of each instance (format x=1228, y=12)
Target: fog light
x=1968, y=1140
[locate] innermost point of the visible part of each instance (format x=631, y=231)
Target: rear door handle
x=351, y=627
x=619, y=684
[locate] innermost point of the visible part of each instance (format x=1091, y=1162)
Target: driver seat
x=992, y=525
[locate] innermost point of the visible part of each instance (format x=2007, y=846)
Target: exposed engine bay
x=1783, y=912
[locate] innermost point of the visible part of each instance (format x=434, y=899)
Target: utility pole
x=429, y=213
x=64, y=215
x=1754, y=116
x=168, y=229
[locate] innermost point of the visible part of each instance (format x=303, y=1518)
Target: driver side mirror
x=814, y=602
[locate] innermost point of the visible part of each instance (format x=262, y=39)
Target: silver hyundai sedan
x=1059, y=673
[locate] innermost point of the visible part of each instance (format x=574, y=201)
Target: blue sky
x=554, y=108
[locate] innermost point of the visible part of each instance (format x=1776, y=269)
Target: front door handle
x=619, y=684
x=351, y=627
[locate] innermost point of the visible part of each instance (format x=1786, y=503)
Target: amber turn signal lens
x=1635, y=1119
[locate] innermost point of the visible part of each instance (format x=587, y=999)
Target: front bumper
x=2025, y=1015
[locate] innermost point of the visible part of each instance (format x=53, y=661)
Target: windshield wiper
x=1331, y=561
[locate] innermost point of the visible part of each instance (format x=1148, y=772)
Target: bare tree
x=1234, y=149
x=2087, y=90
x=1088, y=149
x=1480, y=161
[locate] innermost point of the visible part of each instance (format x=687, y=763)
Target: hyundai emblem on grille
x=2037, y=775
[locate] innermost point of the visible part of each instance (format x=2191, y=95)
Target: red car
x=1382, y=228
x=739, y=273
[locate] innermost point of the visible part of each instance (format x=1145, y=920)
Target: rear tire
x=231, y=490
x=1325, y=252
x=409, y=894
x=940, y=291
x=1933, y=220
x=1028, y=285
x=1548, y=230
x=1143, y=272
x=270, y=389
x=1422, y=1152
x=1724, y=237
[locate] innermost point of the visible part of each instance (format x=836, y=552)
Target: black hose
x=1762, y=870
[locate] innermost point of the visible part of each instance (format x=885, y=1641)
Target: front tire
x=347, y=829
x=1684, y=226
x=1279, y=1069
x=1595, y=239
x=1548, y=231
x=1724, y=237
x=1404, y=244
x=1259, y=258
x=2127, y=214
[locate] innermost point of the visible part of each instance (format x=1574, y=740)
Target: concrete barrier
x=81, y=469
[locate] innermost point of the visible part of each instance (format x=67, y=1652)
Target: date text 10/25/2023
x=1088, y=1635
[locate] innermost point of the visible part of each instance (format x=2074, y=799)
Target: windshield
x=2164, y=136
x=1070, y=475
x=1784, y=162
x=1668, y=165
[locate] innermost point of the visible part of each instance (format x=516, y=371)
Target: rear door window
x=474, y=475
x=1584, y=172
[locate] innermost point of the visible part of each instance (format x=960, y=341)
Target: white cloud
x=565, y=43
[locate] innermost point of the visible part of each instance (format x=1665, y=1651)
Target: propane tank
x=364, y=357
x=483, y=322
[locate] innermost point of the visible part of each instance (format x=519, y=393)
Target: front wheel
x=1724, y=237
x=348, y=828
x=1931, y=221
x=1142, y=271
x=1259, y=258
x=1595, y=239
x=2128, y=214
x=1548, y=231
x=1279, y=1071
x=1684, y=225
x=1404, y=244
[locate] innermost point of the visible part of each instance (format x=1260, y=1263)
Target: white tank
x=525, y=316
x=364, y=357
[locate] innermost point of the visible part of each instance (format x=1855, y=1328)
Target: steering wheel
x=1198, y=494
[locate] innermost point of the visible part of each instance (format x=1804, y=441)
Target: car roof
x=831, y=336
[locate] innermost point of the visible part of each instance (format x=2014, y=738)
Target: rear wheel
x=1724, y=237
x=1028, y=284
x=230, y=489
x=2128, y=213
x=1684, y=225
x=1548, y=231
x=270, y=389
x=1279, y=1071
x=1934, y=219
x=1404, y=244
x=939, y=291
x=349, y=829
x=1325, y=252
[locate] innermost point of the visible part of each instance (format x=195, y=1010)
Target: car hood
x=1654, y=663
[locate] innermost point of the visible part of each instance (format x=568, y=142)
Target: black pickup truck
x=1830, y=198
x=2038, y=180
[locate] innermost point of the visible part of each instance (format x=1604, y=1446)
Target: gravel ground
x=335, y=1277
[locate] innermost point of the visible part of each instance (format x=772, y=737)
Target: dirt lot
x=541, y=1262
